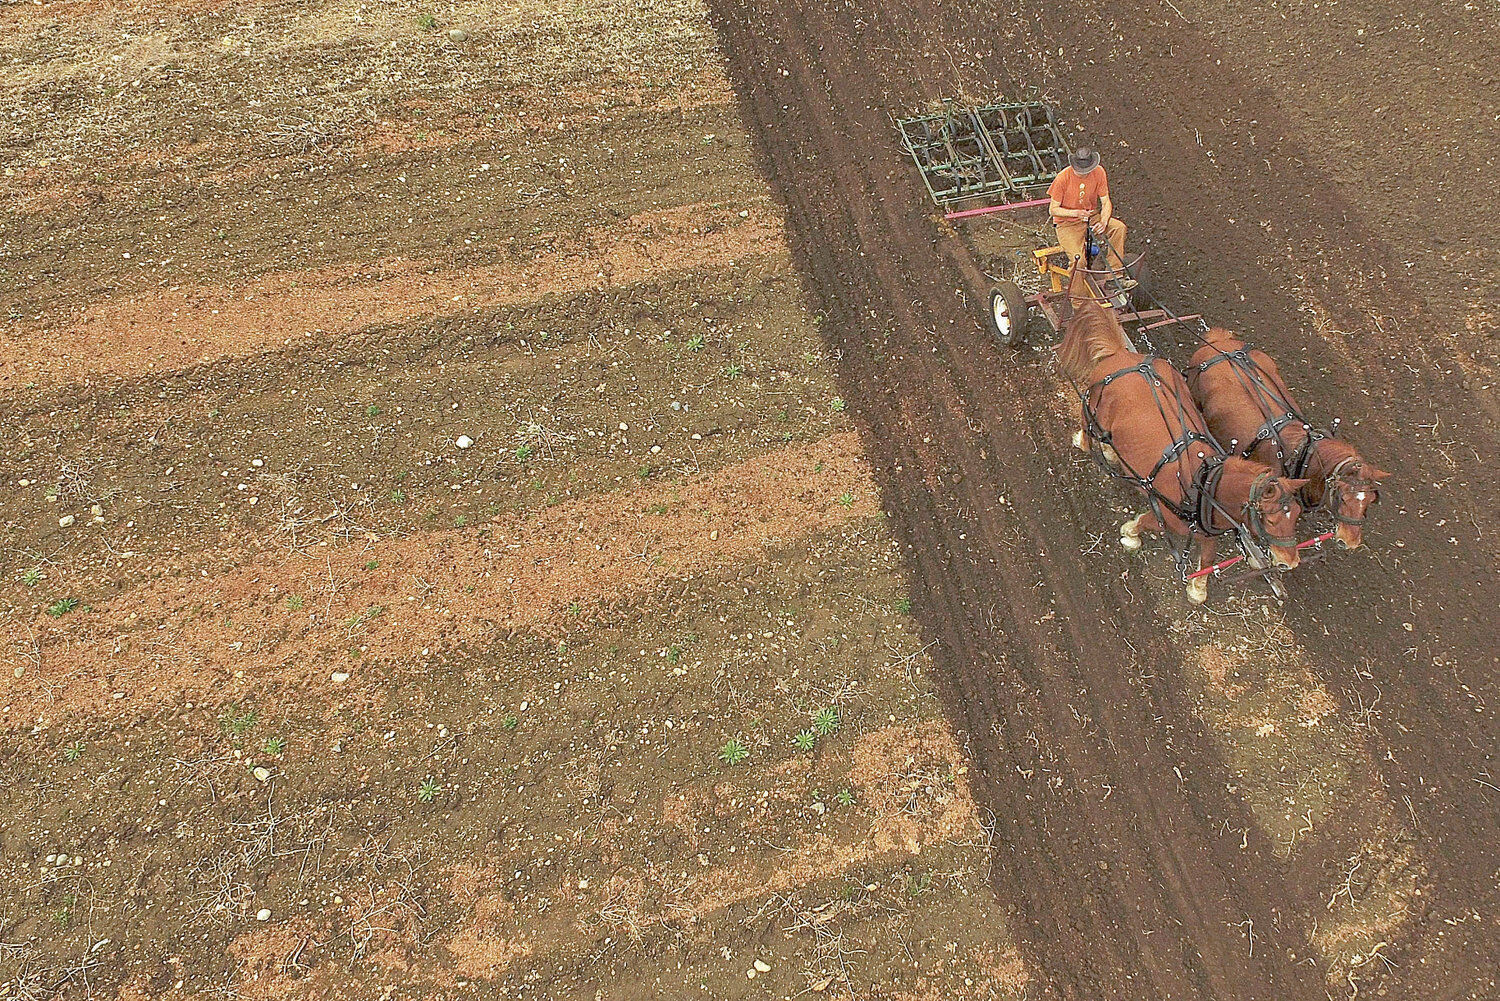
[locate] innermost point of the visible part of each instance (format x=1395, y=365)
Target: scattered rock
x=464, y=441
x=763, y=966
x=96, y=510
x=339, y=677
x=714, y=535
x=458, y=34
x=261, y=772
x=257, y=463
x=264, y=914
x=65, y=521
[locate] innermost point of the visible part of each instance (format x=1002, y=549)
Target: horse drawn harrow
x=976, y=160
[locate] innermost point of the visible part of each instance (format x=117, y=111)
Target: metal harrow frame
x=1004, y=152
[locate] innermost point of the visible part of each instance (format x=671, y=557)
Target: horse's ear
x=1375, y=474
x=1294, y=485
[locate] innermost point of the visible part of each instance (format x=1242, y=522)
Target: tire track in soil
x=1399, y=371
x=1106, y=790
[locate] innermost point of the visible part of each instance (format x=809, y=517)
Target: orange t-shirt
x=1074, y=192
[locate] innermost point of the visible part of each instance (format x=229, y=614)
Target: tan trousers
x=1070, y=238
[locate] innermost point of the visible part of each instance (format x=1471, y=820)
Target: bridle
x=1333, y=487
x=1255, y=520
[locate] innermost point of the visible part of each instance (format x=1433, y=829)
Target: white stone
x=763, y=966
x=261, y=772
x=65, y=521
x=464, y=441
x=339, y=677
x=264, y=914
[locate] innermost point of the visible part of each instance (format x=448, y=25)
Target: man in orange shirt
x=1080, y=196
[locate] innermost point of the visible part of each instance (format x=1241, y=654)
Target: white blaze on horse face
x=1360, y=495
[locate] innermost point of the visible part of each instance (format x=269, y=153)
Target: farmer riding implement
x=978, y=160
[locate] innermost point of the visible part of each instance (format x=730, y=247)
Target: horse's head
x=1273, y=510
x=1348, y=494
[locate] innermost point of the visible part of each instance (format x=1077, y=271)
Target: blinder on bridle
x=1338, y=481
x=1255, y=520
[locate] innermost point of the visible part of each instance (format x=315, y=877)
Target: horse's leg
x=1130, y=532
x=1197, y=588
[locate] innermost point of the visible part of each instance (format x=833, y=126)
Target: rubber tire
x=1008, y=313
x=1140, y=296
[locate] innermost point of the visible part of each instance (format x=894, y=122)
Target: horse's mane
x=1218, y=335
x=1091, y=331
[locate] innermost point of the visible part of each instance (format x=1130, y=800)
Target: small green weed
x=733, y=752
x=398, y=496
x=427, y=22
x=805, y=740
x=826, y=721
x=732, y=371
x=510, y=722
x=523, y=453
x=32, y=577
x=274, y=746
x=428, y=790
x=845, y=797
x=61, y=607
x=846, y=499
x=73, y=751
x=294, y=602
x=903, y=606
x=372, y=411
x=696, y=342
x=838, y=404
x=371, y=564
x=237, y=722
x=460, y=521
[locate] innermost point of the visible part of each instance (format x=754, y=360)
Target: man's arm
x=1106, y=210
x=1058, y=212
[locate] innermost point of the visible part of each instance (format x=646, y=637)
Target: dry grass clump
x=915, y=782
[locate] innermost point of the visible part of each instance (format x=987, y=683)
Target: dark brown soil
x=1113, y=801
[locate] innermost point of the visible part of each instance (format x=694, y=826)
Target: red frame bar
x=1226, y=564
x=996, y=208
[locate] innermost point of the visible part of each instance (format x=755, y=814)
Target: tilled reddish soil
x=1112, y=801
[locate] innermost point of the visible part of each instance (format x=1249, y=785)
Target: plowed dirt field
x=516, y=501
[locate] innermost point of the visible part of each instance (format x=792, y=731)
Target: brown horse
x=1255, y=410
x=1168, y=444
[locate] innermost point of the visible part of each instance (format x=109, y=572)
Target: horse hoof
x=1197, y=592
x=1131, y=542
x=1078, y=441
